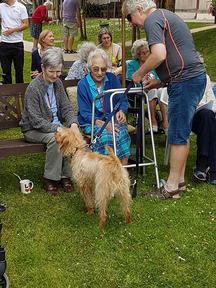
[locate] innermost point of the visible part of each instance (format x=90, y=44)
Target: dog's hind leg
x=125, y=198
x=87, y=196
x=101, y=199
x=102, y=214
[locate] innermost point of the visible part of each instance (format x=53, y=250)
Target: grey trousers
x=56, y=165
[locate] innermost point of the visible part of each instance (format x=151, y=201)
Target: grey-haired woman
x=79, y=68
x=140, y=52
x=94, y=83
x=46, y=108
x=38, y=18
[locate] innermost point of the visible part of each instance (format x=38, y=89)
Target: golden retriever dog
x=97, y=176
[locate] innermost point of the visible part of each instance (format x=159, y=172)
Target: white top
x=12, y=17
x=208, y=101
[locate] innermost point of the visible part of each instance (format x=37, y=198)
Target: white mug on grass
x=26, y=186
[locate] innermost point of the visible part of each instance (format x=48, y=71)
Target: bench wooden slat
x=19, y=147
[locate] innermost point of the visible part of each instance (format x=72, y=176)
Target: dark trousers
x=204, y=125
x=12, y=53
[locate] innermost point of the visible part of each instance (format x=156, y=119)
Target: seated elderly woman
x=46, y=40
x=113, y=50
x=95, y=82
x=204, y=126
x=140, y=52
x=79, y=68
x=46, y=108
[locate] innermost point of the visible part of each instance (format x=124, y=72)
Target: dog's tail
x=110, y=150
x=113, y=156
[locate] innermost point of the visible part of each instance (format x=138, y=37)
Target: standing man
x=14, y=19
x=178, y=66
x=71, y=23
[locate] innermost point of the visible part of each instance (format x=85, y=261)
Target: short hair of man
x=130, y=6
x=136, y=47
x=85, y=49
x=52, y=57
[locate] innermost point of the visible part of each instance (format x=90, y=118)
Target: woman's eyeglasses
x=97, y=69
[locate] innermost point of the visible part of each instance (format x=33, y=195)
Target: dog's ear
x=64, y=143
x=78, y=135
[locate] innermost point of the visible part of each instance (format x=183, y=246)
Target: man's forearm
x=152, y=62
x=23, y=26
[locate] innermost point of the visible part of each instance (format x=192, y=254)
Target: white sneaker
x=154, y=128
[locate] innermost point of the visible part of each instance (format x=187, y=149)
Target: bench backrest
x=12, y=102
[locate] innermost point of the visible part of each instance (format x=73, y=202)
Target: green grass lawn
x=50, y=242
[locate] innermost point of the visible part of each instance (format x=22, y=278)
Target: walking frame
x=146, y=161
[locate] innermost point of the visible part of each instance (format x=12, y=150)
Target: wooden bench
x=11, y=107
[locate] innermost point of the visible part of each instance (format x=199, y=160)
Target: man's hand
x=137, y=78
x=120, y=117
x=150, y=84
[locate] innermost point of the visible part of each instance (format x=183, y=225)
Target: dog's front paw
x=128, y=218
x=90, y=211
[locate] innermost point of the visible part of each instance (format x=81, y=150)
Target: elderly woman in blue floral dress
x=79, y=68
x=94, y=83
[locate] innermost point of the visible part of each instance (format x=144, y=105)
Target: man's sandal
x=182, y=186
x=163, y=194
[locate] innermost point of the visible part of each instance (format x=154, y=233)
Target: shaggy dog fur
x=97, y=176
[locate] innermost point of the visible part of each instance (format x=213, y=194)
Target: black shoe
x=2, y=207
x=199, y=175
x=211, y=178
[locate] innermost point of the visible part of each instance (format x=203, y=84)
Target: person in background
x=14, y=19
x=204, y=126
x=113, y=50
x=71, y=22
x=173, y=55
x=140, y=52
x=79, y=68
x=40, y=16
x=94, y=83
x=46, y=40
x=47, y=107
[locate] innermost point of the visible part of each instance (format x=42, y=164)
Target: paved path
x=73, y=57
